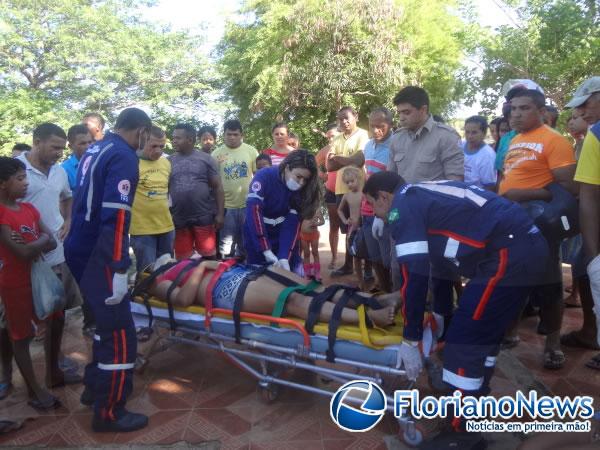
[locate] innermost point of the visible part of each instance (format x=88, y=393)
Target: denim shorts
x=227, y=286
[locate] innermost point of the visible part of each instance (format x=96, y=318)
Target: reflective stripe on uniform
x=490, y=361
x=462, y=382
x=253, y=195
x=116, y=366
x=114, y=205
x=90, y=196
x=451, y=248
x=412, y=248
x=454, y=191
x=273, y=222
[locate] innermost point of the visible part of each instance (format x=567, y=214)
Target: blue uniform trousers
x=110, y=374
x=489, y=303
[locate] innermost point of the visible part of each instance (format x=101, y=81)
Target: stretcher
x=264, y=346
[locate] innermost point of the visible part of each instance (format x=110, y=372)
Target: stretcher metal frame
x=239, y=350
x=271, y=358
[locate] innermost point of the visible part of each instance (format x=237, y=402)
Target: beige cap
x=585, y=91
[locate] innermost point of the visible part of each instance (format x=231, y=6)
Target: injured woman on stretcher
x=185, y=283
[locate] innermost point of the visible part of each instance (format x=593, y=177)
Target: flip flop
x=554, y=359
x=49, y=405
x=5, y=388
x=510, y=342
x=594, y=363
x=6, y=426
x=143, y=334
x=573, y=340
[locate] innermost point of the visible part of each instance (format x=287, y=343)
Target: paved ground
x=195, y=396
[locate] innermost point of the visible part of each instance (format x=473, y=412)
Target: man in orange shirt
x=536, y=157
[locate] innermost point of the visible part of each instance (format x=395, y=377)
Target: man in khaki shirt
x=424, y=150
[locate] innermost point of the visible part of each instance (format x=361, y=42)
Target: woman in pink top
x=280, y=148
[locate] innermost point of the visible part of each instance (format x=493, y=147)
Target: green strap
x=284, y=295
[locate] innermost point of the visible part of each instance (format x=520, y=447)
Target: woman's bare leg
x=334, y=231
x=261, y=295
x=305, y=252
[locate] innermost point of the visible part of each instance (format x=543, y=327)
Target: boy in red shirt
x=23, y=238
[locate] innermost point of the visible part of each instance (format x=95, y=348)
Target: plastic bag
x=47, y=289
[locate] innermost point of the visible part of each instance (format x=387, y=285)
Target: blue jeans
x=148, y=247
x=230, y=236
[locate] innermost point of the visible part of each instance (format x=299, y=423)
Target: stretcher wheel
x=416, y=440
x=269, y=392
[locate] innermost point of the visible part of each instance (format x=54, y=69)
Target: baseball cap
x=520, y=83
x=585, y=91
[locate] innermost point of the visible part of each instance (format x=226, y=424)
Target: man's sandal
x=554, y=359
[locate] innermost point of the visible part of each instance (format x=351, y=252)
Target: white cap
x=585, y=91
x=520, y=83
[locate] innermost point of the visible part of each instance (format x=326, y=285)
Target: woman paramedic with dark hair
x=278, y=200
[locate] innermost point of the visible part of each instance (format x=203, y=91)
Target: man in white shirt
x=50, y=194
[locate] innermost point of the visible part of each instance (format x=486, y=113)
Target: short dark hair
x=233, y=125
x=385, y=112
x=265, y=157
x=133, y=118
x=539, y=100
x=20, y=147
x=76, y=130
x=495, y=121
x=157, y=132
x=280, y=125
x=189, y=129
x=207, y=129
x=413, y=95
x=293, y=135
x=349, y=109
x=47, y=130
x=9, y=166
x=331, y=126
x=382, y=181
x=97, y=116
x=479, y=120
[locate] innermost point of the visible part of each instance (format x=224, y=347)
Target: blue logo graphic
x=354, y=415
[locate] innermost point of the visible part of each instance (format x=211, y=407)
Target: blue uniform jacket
x=454, y=227
x=107, y=178
x=271, y=218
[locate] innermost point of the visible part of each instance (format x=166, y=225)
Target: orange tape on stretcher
x=268, y=319
x=208, y=297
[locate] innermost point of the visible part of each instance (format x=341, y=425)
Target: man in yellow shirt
x=346, y=151
x=151, y=228
x=237, y=164
x=587, y=102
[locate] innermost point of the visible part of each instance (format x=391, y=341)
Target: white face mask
x=293, y=185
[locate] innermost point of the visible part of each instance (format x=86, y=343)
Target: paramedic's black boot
x=127, y=421
x=87, y=397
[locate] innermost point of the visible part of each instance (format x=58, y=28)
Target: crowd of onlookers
x=193, y=201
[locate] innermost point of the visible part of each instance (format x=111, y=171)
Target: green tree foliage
x=555, y=43
x=301, y=60
x=61, y=58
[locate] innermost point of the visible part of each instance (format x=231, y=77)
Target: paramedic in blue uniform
x=279, y=199
x=97, y=252
x=475, y=234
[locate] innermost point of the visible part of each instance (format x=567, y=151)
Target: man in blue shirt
x=466, y=231
x=79, y=140
x=377, y=157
